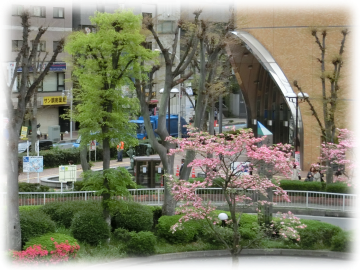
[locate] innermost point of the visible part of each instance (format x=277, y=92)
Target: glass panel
x=50, y=82
x=61, y=78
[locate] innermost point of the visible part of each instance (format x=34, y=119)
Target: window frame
x=57, y=11
x=60, y=87
x=160, y=28
x=42, y=11
x=17, y=10
x=55, y=43
x=18, y=48
x=41, y=42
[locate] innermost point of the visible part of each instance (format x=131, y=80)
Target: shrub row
x=315, y=186
x=32, y=187
x=46, y=243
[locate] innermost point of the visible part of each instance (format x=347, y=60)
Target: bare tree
x=329, y=95
x=171, y=79
x=25, y=59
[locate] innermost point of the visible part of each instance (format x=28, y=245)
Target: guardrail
x=155, y=196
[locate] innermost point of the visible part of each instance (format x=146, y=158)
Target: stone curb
x=224, y=253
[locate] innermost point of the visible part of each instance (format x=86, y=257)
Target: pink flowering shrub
x=342, y=154
x=217, y=157
x=37, y=255
x=286, y=226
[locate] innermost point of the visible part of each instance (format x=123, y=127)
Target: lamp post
x=69, y=95
x=223, y=217
x=300, y=97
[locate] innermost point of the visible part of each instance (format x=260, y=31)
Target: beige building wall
x=285, y=33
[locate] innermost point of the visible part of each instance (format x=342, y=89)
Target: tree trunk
x=83, y=158
x=13, y=230
x=34, y=124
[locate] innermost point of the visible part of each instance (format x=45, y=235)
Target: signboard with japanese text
x=23, y=134
x=33, y=164
x=67, y=173
x=55, y=100
x=240, y=168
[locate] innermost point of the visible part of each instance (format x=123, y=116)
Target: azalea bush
x=218, y=159
x=37, y=254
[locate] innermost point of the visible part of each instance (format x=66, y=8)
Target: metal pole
x=296, y=125
x=220, y=114
x=169, y=115
x=179, y=116
x=27, y=153
x=71, y=123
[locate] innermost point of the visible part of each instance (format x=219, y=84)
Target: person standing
x=215, y=117
x=120, y=149
x=310, y=175
x=296, y=173
x=182, y=165
x=317, y=176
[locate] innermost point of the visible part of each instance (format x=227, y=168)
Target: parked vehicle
x=43, y=144
x=141, y=133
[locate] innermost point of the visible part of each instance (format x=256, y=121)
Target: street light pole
x=71, y=122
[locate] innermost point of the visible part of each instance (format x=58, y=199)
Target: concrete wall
x=285, y=32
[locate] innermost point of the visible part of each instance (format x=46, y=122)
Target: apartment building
x=57, y=17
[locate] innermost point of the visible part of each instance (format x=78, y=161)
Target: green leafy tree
x=105, y=64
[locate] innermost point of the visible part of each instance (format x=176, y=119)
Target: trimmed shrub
x=30, y=207
x=141, y=243
x=7, y=258
x=226, y=233
x=317, y=232
x=157, y=213
x=89, y=227
x=32, y=187
x=341, y=242
x=34, y=223
x=300, y=185
x=63, y=212
x=46, y=243
x=338, y=188
x=122, y=234
x=187, y=234
x=131, y=216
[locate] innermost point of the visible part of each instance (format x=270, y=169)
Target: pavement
x=249, y=258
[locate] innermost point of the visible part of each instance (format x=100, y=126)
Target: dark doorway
x=64, y=124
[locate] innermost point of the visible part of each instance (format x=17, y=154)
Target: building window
x=17, y=10
x=38, y=11
x=60, y=81
x=55, y=44
x=166, y=27
x=41, y=47
x=16, y=45
x=31, y=80
x=58, y=12
x=147, y=45
x=149, y=15
x=89, y=28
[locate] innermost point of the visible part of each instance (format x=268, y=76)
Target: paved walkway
x=253, y=262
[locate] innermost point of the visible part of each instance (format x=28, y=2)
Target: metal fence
x=155, y=196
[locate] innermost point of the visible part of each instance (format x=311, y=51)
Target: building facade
x=57, y=17
x=274, y=47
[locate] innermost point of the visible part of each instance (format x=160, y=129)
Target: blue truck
x=141, y=133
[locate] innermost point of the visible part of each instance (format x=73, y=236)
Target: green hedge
x=315, y=186
x=346, y=241
x=32, y=187
x=141, y=243
x=187, y=234
x=317, y=233
x=157, y=213
x=63, y=212
x=34, y=222
x=131, y=216
x=45, y=240
x=89, y=227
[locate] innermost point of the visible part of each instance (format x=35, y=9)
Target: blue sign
x=59, y=66
x=33, y=164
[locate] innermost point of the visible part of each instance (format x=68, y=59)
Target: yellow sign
x=54, y=100
x=23, y=134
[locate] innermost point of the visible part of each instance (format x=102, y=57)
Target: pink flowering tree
x=341, y=154
x=216, y=156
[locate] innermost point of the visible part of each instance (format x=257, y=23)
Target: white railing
x=155, y=196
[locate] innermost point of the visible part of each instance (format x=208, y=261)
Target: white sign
x=33, y=164
x=92, y=146
x=159, y=169
x=297, y=157
x=240, y=168
x=67, y=173
x=144, y=169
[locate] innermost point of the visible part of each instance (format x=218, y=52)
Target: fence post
x=158, y=192
x=343, y=202
x=44, y=198
x=307, y=199
x=85, y=196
